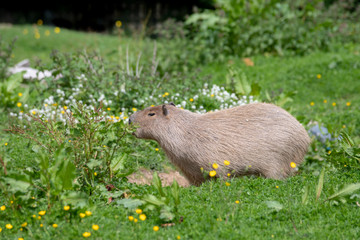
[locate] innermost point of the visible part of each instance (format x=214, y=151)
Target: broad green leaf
x=76, y=199
x=345, y=191
x=166, y=213
x=175, y=190
x=157, y=184
x=275, y=205
x=18, y=182
x=130, y=203
x=151, y=199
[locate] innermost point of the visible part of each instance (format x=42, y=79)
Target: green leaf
x=305, y=195
x=130, y=203
x=166, y=213
x=13, y=82
x=175, y=190
x=117, y=163
x=151, y=199
x=345, y=191
x=18, y=182
x=76, y=199
x=320, y=184
x=275, y=205
x=157, y=184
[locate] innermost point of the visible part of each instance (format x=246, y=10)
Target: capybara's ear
x=172, y=104
x=164, y=109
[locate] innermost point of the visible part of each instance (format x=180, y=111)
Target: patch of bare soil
x=144, y=176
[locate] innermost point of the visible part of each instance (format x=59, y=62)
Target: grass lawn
x=249, y=208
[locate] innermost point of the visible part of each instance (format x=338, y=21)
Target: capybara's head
x=150, y=122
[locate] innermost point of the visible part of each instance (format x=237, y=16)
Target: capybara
x=256, y=139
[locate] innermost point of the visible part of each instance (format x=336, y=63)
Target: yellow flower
x=82, y=215
x=39, y=217
x=212, y=173
x=166, y=94
x=40, y=22
x=108, y=109
x=95, y=227
x=24, y=224
x=191, y=99
x=47, y=33
x=142, y=217
x=152, y=105
x=156, y=149
x=325, y=101
x=54, y=225
x=348, y=104
x=227, y=183
x=131, y=218
x=42, y=213
x=0, y=229
x=62, y=112
x=134, y=109
x=20, y=238
x=138, y=211
x=37, y=35
x=226, y=162
x=86, y=234
x=178, y=237
x=20, y=94
x=6, y=144
x=9, y=226
x=312, y=104
x=70, y=141
x=135, y=220
x=293, y=165
x=124, y=117
x=318, y=76
x=95, y=174
x=65, y=107
x=66, y=208
x=2, y=208
x=88, y=213
x=277, y=186
x=212, y=95
x=33, y=112
x=237, y=201
x=334, y=104
x=228, y=174
x=215, y=166
x=34, y=216
x=156, y=228
x=118, y=23
x=41, y=225
x=57, y=30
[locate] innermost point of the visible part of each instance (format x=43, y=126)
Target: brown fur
x=257, y=139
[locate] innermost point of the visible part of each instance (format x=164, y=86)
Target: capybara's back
x=257, y=139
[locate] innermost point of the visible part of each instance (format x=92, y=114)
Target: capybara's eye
x=151, y=114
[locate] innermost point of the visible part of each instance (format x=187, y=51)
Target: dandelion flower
x=191, y=99
x=178, y=237
x=24, y=224
x=57, y=30
x=156, y=228
x=229, y=174
x=0, y=229
x=39, y=217
x=86, y=234
x=334, y=104
x=88, y=213
x=226, y=162
x=156, y=149
x=2, y=208
x=134, y=109
x=108, y=109
x=47, y=33
x=33, y=112
x=42, y=213
x=131, y=218
x=135, y=220
x=318, y=76
x=138, y=211
x=82, y=215
x=95, y=174
x=325, y=101
x=9, y=226
x=20, y=94
x=293, y=165
x=227, y=184
x=20, y=238
x=6, y=144
x=118, y=23
x=348, y=104
x=142, y=217
x=212, y=173
x=215, y=166
x=54, y=225
x=237, y=201
x=67, y=208
x=277, y=186
x=95, y=227
x=312, y=104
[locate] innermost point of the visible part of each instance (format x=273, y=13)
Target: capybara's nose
x=129, y=121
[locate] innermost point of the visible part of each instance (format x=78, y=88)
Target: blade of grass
x=320, y=184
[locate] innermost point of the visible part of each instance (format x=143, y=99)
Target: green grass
x=210, y=211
